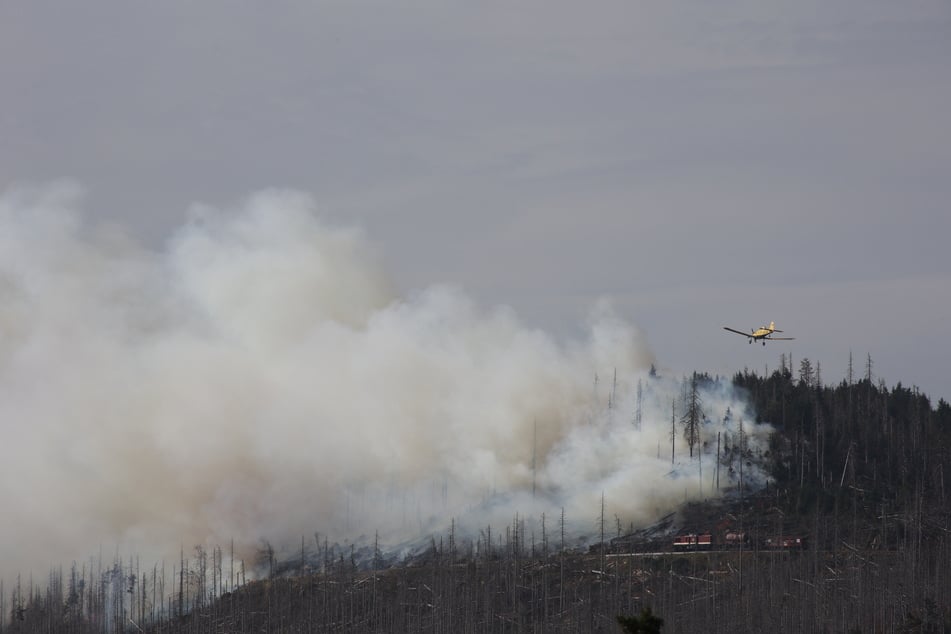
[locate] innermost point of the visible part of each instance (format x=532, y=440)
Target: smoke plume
x=258, y=378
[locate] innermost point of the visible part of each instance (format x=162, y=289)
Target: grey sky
x=701, y=164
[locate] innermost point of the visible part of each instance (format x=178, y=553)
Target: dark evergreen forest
x=859, y=474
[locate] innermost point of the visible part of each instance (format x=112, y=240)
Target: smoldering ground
x=259, y=378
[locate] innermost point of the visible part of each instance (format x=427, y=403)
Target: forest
x=857, y=476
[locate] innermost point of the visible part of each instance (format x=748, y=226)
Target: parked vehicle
x=732, y=540
x=693, y=541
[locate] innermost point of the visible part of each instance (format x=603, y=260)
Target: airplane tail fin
x=772, y=326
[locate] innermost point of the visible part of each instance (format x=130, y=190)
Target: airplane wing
x=739, y=332
x=780, y=338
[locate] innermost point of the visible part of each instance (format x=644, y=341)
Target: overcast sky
x=699, y=164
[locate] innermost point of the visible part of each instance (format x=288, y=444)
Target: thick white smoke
x=258, y=378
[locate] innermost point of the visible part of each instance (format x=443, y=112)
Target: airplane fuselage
x=763, y=333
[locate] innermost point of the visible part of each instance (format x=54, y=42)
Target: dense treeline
x=857, y=448
x=857, y=468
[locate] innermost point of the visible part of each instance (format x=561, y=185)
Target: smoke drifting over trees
x=259, y=378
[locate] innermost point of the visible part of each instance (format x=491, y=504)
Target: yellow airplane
x=763, y=333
